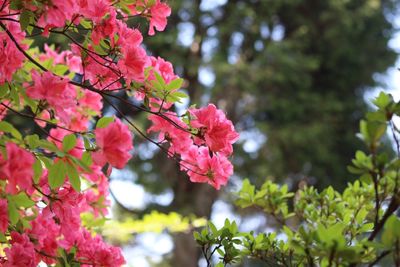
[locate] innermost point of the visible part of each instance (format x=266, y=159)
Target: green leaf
x=383, y=100
x=74, y=178
x=50, y=146
x=57, y=173
x=87, y=158
x=37, y=170
x=25, y=18
x=151, y=3
x=32, y=141
x=15, y=96
x=86, y=142
x=4, y=90
x=3, y=238
x=376, y=130
x=177, y=96
x=391, y=231
x=80, y=163
x=13, y=214
x=160, y=79
x=213, y=228
x=330, y=192
x=22, y=200
x=29, y=29
x=86, y=24
x=69, y=142
x=60, y=69
x=47, y=162
x=8, y=128
x=361, y=215
x=175, y=84
x=104, y=122
x=197, y=236
x=364, y=131
x=16, y=4
x=99, y=49
x=366, y=178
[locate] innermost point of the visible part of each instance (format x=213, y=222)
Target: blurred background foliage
x=291, y=74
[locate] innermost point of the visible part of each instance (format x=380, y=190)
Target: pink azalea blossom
x=11, y=57
x=159, y=13
x=96, y=200
x=127, y=36
x=114, y=142
x=202, y=167
x=56, y=91
x=94, y=9
x=105, y=28
x=179, y=139
x=100, y=71
x=91, y=101
x=78, y=122
x=215, y=128
x=94, y=250
x=163, y=67
x=56, y=14
x=66, y=211
x=45, y=231
x=16, y=168
x=21, y=253
x=132, y=64
x=65, y=57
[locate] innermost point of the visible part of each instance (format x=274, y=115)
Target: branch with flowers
x=47, y=183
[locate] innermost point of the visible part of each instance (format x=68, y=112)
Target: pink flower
x=114, y=142
x=3, y=215
x=202, y=167
x=127, y=36
x=179, y=139
x=65, y=57
x=17, y=168
x=105, y=28
x=56, y=91
x=132, y=64
x=66, y=211
x=164, y=68
x=94, y=9
x=159, y=13
x=57, y=13
x=96, y=199
x=79, y=122
x=21, y=253
x=97, y=252
x=11, y=57
x=90, y=102
x=215, y=128
x=45, y=231
x=100, y=71
x=51, y=88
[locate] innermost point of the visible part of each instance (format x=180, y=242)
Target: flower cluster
x=48, y=179
x=204, y=154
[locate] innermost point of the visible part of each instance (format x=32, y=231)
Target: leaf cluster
x=356, y=227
